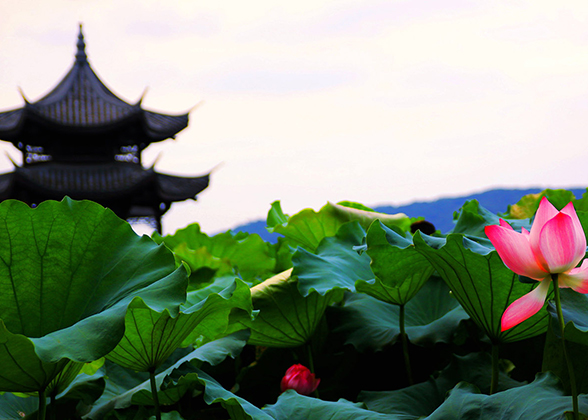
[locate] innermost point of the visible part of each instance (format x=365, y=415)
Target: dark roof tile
x=87, y=180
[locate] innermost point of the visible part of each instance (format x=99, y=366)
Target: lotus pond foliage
x=351, y=314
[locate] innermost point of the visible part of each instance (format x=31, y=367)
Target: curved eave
x=174, y=188
x=10, y=123
x=155, y=126
x=162, y=126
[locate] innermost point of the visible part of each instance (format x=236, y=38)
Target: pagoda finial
x=81, y=56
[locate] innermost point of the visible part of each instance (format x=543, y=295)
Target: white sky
x=309, y=101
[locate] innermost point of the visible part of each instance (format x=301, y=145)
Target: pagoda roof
x=82, y=101
x=101, y=181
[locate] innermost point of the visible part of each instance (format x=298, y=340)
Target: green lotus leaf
x=291, y=406
x=275, y=216
x=348, y=212
x=15, y=407
x=217, y=310
x=431, y=317
x=237, y=407
x=80, y=395
x=543, y=399
x=308, y=227
x=247, y=255
x=285, y=318
x=336, y=264
x=575, y=313
x=173, y=387
x=72, y=401
x=400, y=271
x=574, y=308
x=125, y=388
x=151, y=337
x=22, y=369
x=70, y=372
x=473, y=218
x=482, y=284
x=527, y=206
x=65, y=377
x=422, y=399
x=217, y=285
x=68, y=271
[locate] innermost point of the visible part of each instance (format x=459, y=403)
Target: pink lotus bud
x=300, y=379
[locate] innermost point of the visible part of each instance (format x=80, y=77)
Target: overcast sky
x=309, y=101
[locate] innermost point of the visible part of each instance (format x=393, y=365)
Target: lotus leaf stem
x=311, y=365
x=52, y=404
x=154, y=394
x=404, y=339
x=495, y=360
x=42, y=405
x=570, y=367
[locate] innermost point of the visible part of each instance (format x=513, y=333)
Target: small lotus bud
x=300, y=379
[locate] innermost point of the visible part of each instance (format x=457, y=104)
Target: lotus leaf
x=400, y=271
x=308, y=228
x=123, y=388
x=575, y=312
x=431, y=317
x=336, y=264
x=151, y=337
x=543, y=399
x=291, y=405
x=286, y=318
x=221, y=254
x=68, y=271
x=482, y=284
x=422, y=399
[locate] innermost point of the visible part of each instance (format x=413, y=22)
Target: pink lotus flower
x=299, y=378
x=555, y=245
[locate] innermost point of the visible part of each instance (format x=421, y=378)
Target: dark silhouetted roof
x=81, y=100
x=101, y=181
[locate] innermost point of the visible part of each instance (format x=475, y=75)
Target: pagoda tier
x=125, y=188
x=82, y=104
x=83, y=141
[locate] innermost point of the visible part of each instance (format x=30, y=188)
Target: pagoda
x=81, y=140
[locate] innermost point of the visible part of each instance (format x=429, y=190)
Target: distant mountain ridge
x=439, y=212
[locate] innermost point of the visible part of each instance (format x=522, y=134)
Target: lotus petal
x=526, y=306
x=515, y=251
x=558, y=244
